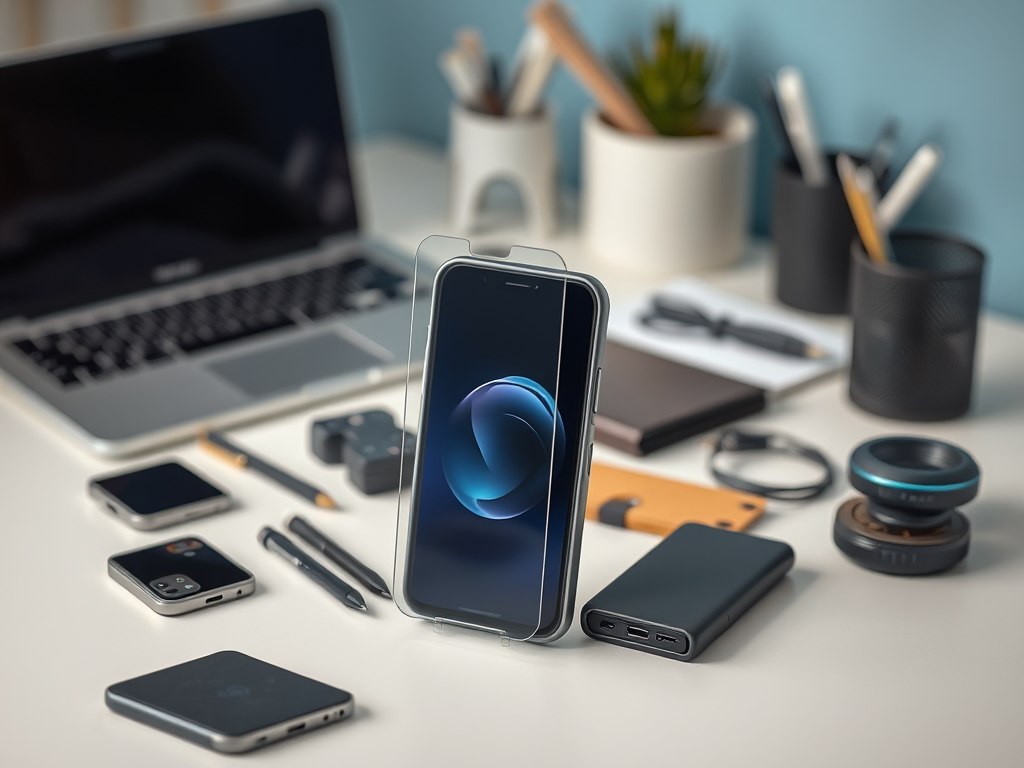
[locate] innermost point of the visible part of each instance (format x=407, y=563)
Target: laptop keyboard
x=124, y=344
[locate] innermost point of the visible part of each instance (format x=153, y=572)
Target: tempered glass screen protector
x=473, y=528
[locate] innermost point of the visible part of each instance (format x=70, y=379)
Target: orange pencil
x=860, y=207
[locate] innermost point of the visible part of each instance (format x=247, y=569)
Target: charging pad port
x=666, y=638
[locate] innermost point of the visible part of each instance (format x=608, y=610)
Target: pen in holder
x=519, y=150
x=915, y=324
x=812, y=228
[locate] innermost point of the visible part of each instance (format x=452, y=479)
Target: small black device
x=180, y=576
x=158, y=496
x=370, y=445
x=687, y=591
x=734, y=440
x=229, y=702
x=907, y=522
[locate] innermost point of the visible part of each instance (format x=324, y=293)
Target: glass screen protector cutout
x=473, y=524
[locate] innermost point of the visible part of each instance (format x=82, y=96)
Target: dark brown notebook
x=648, y=402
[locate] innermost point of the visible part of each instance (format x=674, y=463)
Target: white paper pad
x=770, y=371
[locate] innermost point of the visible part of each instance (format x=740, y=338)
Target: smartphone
x=180, y=576
x=492, y=323
x=229, y=702
x=158, y=496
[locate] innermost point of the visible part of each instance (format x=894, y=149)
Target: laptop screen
x=150, y=162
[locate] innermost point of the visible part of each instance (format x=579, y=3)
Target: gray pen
x=282, y=545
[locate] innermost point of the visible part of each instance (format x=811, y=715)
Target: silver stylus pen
x=282, y=545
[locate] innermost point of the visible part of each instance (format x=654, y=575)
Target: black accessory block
x=678, y=598
x=370, y=445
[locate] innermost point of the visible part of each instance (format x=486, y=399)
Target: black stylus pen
x=279, y=543
x=667, y=314
x=333, y=552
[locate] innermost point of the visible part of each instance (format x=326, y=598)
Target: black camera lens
x=160, y=585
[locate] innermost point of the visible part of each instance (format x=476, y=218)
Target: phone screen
x=477, y=547
x=155, y=489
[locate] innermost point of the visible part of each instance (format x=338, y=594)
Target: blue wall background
x=951, y=71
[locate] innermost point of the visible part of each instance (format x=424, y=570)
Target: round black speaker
x=907, y=522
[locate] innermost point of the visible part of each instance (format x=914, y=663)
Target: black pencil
x=218, y=445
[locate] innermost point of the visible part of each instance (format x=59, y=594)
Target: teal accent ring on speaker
x=913, y=486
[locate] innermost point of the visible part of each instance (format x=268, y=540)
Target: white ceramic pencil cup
x=518, y=150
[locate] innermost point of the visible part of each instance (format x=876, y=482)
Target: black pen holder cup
x=812, y=228
x=915, y=324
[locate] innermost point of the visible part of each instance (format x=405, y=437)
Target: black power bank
x=686, y=591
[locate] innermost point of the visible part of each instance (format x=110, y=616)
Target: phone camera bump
x=175, y=586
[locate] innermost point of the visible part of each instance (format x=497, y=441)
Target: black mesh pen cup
x=812, y=228
x=915, y=324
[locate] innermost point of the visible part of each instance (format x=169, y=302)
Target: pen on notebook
x=333, y=552
x=218, y=445
x=669, y=314
x=860, y=207
x=612, y=96
x=881, y=154
x=796, y=114
x=908, y=187
x=283, y=546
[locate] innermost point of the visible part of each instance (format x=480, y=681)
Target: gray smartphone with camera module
x=229, y=702
x=180, y=576
x=158, y=496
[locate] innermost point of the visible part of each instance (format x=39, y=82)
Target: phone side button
x=590, y=459
x=597, y=389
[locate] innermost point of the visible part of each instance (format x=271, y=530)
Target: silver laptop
x=179, y=241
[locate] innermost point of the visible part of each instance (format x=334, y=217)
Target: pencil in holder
x=915, y=325
x=812, y=228
x=519, y=150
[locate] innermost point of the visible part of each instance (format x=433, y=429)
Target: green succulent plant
x=670, y=83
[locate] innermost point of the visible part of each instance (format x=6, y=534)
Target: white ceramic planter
x=519, y=150
x=663, y=205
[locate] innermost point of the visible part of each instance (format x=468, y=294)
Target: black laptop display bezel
x=318, y=28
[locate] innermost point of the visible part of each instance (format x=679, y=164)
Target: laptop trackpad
x=293, y=365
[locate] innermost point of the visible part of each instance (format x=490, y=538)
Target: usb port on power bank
x=666, y=638
x=640, y=632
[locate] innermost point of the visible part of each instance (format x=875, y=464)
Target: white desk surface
x=837, y=666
